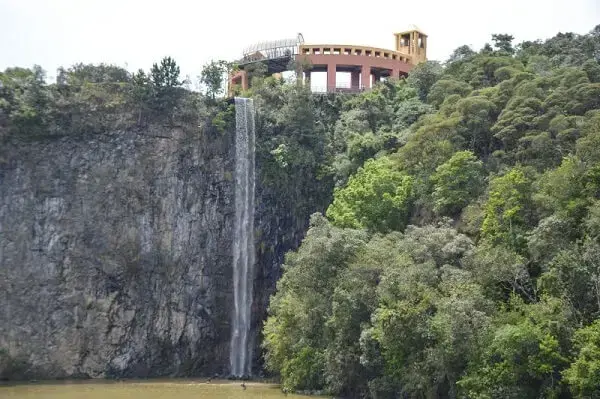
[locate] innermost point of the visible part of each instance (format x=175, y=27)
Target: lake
x=180, y=389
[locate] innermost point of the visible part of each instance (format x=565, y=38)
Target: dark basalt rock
x=115, y=254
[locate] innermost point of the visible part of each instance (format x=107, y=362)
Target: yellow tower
x=412, y=42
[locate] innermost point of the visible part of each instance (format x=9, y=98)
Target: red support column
x=244, y=80
x=355, y=80
x=365, y=77
x=331, y=69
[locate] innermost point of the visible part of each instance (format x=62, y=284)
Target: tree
x=508, y=209
x=503, y=43
x=24, y=99
x=500, y=271
x=461, y=53
x=165, y=75
x=213, y=76
x=444, y=88
x=522, y=355
x=377, y=197
x=141, y=92
x=295, y=331
x=583, y=376
x=425, y=312
x=165, y=84
x=564, y=191
x=456, y=182
x=353, y=303
x=487, y=49
x=588, y=146
x=374, y=107
x=574, y=274
x=428, y=316
x=477, y=117
x=423, y=76
x=101, y=73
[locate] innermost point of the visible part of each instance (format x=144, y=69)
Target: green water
x=180, y=389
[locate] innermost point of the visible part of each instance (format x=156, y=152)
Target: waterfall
x=240, y=355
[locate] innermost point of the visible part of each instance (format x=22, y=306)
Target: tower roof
x=411, y=28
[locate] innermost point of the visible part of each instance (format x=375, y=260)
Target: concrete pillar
x=244, y=80
x=376, y=77
x=230, y=84
x=365, y=77
x=395, y=73
x=331, y=69
x=307, y=78
x=355, y=80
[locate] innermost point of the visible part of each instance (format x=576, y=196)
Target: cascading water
x=240, y=355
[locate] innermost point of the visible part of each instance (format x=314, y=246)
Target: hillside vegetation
x=460, y=252
x=454, y=243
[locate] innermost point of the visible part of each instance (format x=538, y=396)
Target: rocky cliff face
x=115, y=255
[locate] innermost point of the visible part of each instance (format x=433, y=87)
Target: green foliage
x=503, y=43
x=224, y=117
x=456, y=182
x=588, y=146
x=24, y=100
x=92, y=99
x=500, y=271
x=293, y=147
x=574, y=274
x=372, y=124
x=446, y=87
x=102, y=73
x=461, y=249
x=425, y=306
x=522, y=356
x=141, y=92
x=508, y=209
x=564, y=190
x=377, y=197
x=165, y=84
x=213, y=77
x=462, y=53
x=295, y=331
x=505, y=150
x=583, y=376
x=423, y=77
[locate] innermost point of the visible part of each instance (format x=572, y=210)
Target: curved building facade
x=366, y=65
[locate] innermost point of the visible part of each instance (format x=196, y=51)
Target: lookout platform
x=366, y=65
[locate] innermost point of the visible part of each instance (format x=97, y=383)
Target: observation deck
x=366, y=65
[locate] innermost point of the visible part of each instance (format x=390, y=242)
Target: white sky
x=136, y=33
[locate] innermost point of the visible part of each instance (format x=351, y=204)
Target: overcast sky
x=136, y=33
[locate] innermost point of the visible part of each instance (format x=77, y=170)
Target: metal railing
x=272, y=49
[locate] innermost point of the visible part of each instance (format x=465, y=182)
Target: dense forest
x=455, y=248
x=459, y=255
